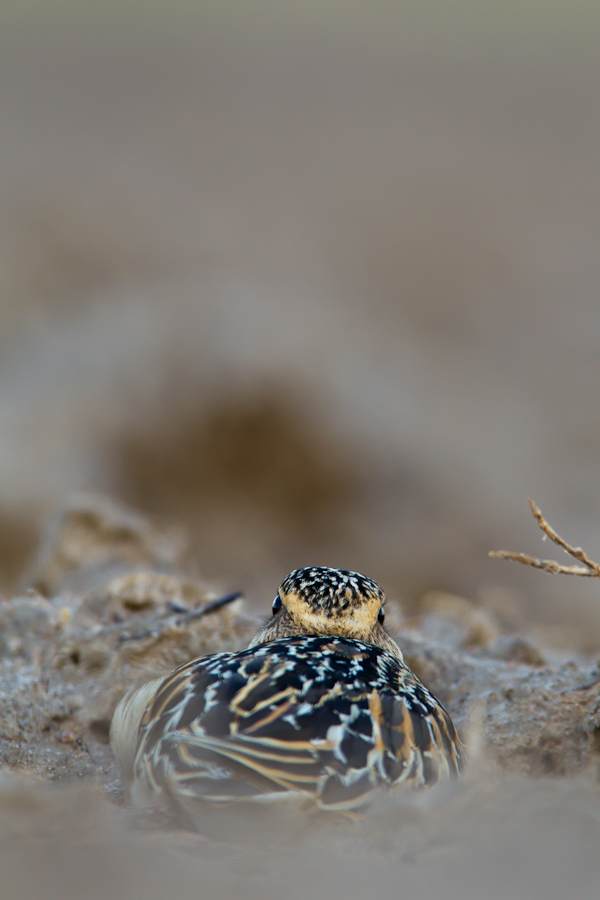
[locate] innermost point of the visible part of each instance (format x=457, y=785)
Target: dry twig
x=188, y=617
x=589, y=569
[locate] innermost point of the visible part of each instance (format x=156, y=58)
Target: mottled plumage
x=320, y=705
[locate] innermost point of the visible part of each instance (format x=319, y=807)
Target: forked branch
x=589, y=569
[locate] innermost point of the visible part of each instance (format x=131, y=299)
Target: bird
x=320, y=706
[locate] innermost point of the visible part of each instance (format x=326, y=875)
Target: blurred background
x=319, y=280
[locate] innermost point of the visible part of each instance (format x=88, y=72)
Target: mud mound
x=116, y=612
x=108, y=607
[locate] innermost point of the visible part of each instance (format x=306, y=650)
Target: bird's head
x=321, y=601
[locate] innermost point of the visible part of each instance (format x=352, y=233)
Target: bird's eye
x=381, y=616
x=276, y=605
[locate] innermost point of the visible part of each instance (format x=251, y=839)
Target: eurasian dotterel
x=320, y=705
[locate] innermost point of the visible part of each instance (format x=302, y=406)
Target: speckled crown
x=331, y=591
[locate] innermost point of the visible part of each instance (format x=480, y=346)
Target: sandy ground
x=308, y=285
x=105, y=607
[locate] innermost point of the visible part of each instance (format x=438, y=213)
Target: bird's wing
x=327, y=717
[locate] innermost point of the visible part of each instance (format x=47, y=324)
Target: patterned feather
x=321, y=715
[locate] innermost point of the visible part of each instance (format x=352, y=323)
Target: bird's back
x=325, y=717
